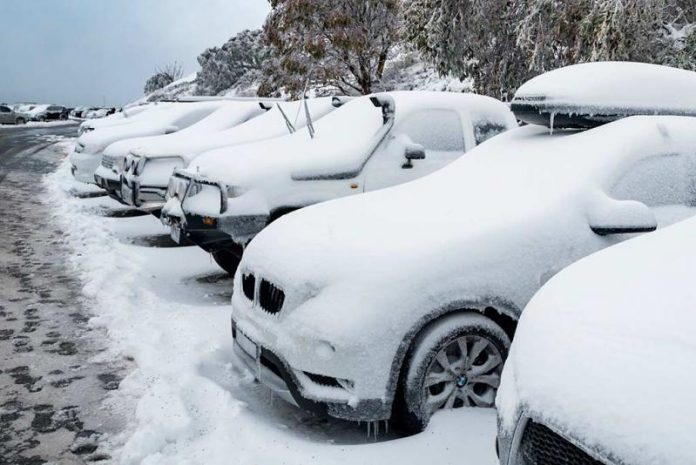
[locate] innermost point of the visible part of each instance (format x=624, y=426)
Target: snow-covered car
x=602, y=368
x=10, y=116
x=124, y=117
x=225, y=197
x=167, y=119
x=148, y=168
x=128, y=158
x=403, y=301
x=48, y=113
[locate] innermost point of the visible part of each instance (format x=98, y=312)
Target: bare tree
x=164, y=75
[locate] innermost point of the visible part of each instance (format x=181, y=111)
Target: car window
x=485, y=129
x=4, y=109
x=657, y=181
x=437, y=130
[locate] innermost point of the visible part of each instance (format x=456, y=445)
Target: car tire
x=63, y=117
x=42, y=119
x=20, y=121
x=227, y=259
x=439, y=374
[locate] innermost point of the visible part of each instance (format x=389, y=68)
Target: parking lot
x=121, y=348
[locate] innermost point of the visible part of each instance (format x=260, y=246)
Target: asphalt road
x=52, y=391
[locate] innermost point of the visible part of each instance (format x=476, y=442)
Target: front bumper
x=295, y=386
x=108, y=180
x=83, y=166
x=149, y=198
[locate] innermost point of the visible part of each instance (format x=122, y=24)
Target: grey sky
x=101, y=51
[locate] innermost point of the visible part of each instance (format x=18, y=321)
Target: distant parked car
x=401, y=302
x=165, y=119
x=149, y=167
x=602, y=369
x=10, y=116
x=225, y=197
x=48, y=113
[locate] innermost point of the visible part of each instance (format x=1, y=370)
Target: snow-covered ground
x=192, y=402
x=37, y=124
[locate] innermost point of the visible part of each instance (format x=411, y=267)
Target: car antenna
x=310, y=126
x=291, y=128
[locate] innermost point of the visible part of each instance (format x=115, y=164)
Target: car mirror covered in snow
x=413, y=151
x=590, y=94
x=621, y=217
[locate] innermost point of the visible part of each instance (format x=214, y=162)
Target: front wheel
x=228, y=260
x=20, y=121
x=456, y=362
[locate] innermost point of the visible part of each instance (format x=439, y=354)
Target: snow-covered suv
x=400, y=302
x=164, y=119
x=226, y=197
x=602, y=368
x=148, y=167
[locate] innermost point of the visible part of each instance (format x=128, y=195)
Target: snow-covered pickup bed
x=148, y=167
x=161, y=119
x=225, y=197
x=602, y=368
x=400, y=302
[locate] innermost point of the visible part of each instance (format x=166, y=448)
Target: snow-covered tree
x=468, y=38
x=222, y=67
x=164, y=76
x=340, y=44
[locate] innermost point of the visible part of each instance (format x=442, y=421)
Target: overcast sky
x=91, y=52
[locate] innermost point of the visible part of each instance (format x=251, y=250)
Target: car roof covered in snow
x=343, y=139
x=606, y=352
x=589, y=94
x=523, y=179
x=266, y=125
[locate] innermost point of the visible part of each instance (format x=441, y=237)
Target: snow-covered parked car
x=149, y=166
x=400, y=302
x=602, y=368
x=124, y=117
x=109, y=174
x=225, y=197
x=90, y=147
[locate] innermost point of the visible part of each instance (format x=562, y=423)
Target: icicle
x=375, y=430
x=553, y=117
x=368, y=428
x=386, y=426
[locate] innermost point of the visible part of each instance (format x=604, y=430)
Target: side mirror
x=413, y=152
x=170, y=129
x=622, y=217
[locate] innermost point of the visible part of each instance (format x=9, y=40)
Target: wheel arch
x=505, y=314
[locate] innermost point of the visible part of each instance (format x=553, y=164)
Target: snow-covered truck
x=227, y=114
x=602, y=365
x=400, y=302
x=225, y=197
x=165, y=119
x=147, y=169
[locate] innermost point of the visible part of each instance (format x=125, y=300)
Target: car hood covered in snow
x=605, y=351
x=267, y=125
x=517, y=190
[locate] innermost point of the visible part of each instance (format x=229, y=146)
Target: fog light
x=208, y=221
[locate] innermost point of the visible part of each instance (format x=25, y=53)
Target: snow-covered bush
x=163, y=77
x=223, y=67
